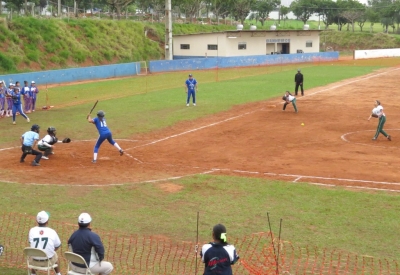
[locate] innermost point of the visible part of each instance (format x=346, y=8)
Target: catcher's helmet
x=35, y=127
x=51, y=130
x=101, y=113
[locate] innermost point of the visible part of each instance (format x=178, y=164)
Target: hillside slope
x=30, y=44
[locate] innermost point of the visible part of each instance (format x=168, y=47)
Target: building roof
x=256, y=32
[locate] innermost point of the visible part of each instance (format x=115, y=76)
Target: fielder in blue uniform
x=105, y=134
x=191, y=88
x=17, y=105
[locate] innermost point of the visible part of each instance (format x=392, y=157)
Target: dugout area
x=333, y=147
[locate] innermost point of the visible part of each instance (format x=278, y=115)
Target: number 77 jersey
x=44, y=238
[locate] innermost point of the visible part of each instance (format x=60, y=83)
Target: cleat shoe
x=52, y=153
x=373, y=138
x=14, y=122
x=194, y=104
x=28, y=120
x=21, y=160
x=44, y=157
x=187, y=105
x=34, y=163
x=389, y=138
x=121, y=152
x=94, y=161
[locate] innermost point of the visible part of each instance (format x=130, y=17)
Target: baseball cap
x=298, y=70
x=11, y=84
x=33, y=82
x=190, y=75
x=84, y=218
x=42, y=217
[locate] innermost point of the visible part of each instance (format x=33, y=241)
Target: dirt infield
x=333, y=147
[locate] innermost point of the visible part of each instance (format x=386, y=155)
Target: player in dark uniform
x=105, y=134
x=218, y=256
x=298, y=79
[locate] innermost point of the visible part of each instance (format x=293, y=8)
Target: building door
x=285, y=48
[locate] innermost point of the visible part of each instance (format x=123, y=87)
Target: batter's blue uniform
x=104, y=132
x=17, y=105
x=191, y=90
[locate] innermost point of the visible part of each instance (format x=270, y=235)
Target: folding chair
x=35, y=252
x=75, y=258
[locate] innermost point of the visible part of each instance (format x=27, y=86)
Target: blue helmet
x=35, y=128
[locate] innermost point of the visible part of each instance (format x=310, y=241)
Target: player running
x=17, y=105
x=377, y=112
x=289, y=98
x=104, y=132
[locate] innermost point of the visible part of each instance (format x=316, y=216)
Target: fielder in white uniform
x=45, y=238
x=377, y=112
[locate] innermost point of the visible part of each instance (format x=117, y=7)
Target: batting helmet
x=101, y=113
x=51, y=130
x=35, y=127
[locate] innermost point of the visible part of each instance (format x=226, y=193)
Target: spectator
x=88, y=244
x=46, y=239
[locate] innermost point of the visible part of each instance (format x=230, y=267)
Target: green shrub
x=79, y=56
x=6, y=63
x=64, y=54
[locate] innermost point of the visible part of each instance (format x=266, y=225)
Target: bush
x=6, y=63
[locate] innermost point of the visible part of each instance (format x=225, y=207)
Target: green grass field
x=358, y=222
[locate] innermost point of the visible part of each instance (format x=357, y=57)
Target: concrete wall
x=363, y=54
x=240, y=61
x=76, y=74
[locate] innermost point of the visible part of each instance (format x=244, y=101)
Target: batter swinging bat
x=94, y=106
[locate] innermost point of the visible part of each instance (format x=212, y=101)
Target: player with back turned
x=104, y=132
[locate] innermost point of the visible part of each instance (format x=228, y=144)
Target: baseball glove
x=66, y=140
x=284, y=98
x=374, y=115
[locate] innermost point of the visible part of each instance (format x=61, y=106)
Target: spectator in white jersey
x=46, y=239
x=218, y=256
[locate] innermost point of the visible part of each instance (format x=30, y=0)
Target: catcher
x=46, y=144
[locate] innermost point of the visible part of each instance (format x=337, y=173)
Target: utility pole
x=168, y=30
x=59, y=9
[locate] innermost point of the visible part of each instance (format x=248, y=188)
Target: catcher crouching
x=46, y=144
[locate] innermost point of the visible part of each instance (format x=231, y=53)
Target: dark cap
x=190, y=75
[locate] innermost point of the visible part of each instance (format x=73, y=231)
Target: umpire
x=28, y=142
x=298, y=79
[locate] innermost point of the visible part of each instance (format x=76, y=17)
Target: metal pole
x=168, y=30
x=59, y=8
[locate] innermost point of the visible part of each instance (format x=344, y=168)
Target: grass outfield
x=358, y=222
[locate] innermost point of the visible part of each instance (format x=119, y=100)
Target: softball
x=302, y=124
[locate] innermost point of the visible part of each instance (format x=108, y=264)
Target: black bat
x=94, y=106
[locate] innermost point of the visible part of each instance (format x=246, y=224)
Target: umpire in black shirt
x=298, y=79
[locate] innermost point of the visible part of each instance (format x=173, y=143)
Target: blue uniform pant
x=33, y=103
x=2, y=103
x=193, y=94
x=18, y=108
x=102, y=138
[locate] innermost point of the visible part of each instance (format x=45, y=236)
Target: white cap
x=33, y=82
x=11, y=84
x=42, y=217
x=84, y=218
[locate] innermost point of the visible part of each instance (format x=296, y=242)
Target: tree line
x=340, y=12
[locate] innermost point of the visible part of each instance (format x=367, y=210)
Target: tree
x=119, y=6
x=386, y=10
x=283, y=11
x=264, y=7
x=221, y=7
x=303, y=9
x=241, y=9
x=372, y=16
x=328, y=10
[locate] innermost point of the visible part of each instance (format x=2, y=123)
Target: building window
x=242, y=46
x=185, y=46
x=212, y=47
x=309, y=44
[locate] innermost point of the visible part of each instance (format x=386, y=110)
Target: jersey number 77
x=44, y=239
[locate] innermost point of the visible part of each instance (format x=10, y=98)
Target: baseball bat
x=94, y=106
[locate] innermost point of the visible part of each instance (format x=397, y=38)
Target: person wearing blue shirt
x=2, y=98
x=191, y=88
x=28, y=142
x=88, y=244
x=17, y=105
x=26, y=91
x=104, y=132
x=218, y=256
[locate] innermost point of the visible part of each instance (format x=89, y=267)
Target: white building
x=245, y=42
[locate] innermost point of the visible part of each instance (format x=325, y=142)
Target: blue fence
x=127, y=69
x=238, y=61
x=75, y=74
